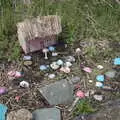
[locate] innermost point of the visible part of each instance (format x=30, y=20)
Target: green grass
x=81, y=19
x=83, y=107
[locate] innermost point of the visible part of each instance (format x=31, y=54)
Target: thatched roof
x=39, y=27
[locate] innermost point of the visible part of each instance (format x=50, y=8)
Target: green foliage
x=83, y=107
x=80, y=19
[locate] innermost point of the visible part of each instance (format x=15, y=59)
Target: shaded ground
x=109, y=111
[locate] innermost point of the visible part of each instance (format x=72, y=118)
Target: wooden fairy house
x=38, y=33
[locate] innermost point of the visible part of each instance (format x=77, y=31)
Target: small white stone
x=98, y=97
x=24, y=84
x=51, y=76
x=54, y=66
x=90, y=81
x=100, y=67
x=68, y=64
x=99, y=84
x=54, y=54
x=78, y=50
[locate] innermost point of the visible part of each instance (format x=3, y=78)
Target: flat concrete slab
x=47, y=114
x=60, y=92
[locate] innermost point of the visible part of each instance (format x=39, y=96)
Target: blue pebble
x=100, y=78
x=117, y=61
x=43, y=67
x=3, y=110
x=60, y=62
x=51, y=48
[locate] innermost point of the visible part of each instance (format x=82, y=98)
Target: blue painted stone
x=51, y=48
x=100, y=78
x=43, y=67
x=60, y=62
x=117, y=61
x=3, y=110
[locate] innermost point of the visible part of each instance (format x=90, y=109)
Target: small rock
x=80, y=94
x=110, y=74
x=3, y=110
x=59, y=62
x=90, y=81
x=54, y=54
x=27, y=63
x=47, y=114
x=54, y=66
x=27, y=58
x=87, y=69
x=87, y=94
x=70, y=59
x=3, y=90
x=98, y=97
x=100, y=67
x=14, y=74
x=51, y=76
x=78, y=50
x=21, y=114
x=75, y=79
x=24, y=84
x=99, y=84
x=100, y=78
x=117, y=61
x=68, y=64
x=43, y=67
x=65, y=69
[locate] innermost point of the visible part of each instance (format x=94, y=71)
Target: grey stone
x=60, y=92
x=47, y=114
x=75, y=79
x=27, y=63
x=110, y=74
x=109, y=111
x=21, y=114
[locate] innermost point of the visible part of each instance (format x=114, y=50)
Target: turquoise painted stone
x=117, y=61
x=3, y=110
x=100, y=78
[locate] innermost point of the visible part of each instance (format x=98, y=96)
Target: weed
x=83, y=107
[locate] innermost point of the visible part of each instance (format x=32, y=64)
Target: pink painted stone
x=18, y=74
x=11, y=73
x=80, y=94
x=15, y=74
x=87, y=69
x=65, y=69
x=3, y=90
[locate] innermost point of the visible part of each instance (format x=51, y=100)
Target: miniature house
x=38, y=33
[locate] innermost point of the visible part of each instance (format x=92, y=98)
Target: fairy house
x=38, y=33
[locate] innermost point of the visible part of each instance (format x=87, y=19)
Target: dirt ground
x=31, y=99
